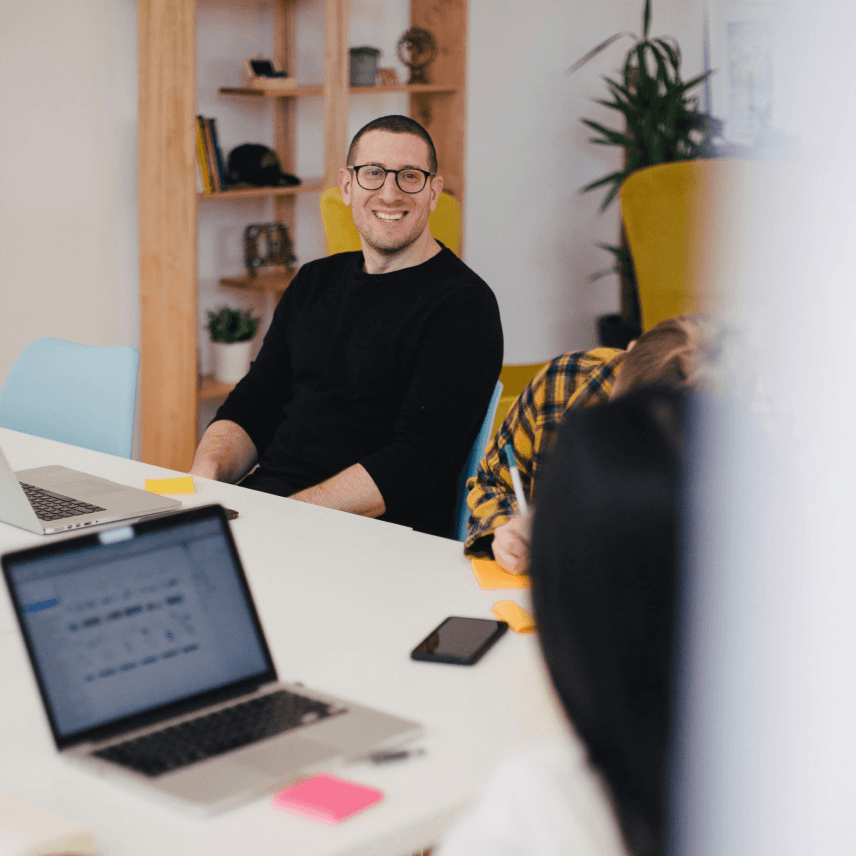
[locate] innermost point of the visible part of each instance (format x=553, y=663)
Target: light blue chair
x=462, y=513
x=78, y=394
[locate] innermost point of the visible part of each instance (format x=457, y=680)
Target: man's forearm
x=225, y=453
x=352, y=490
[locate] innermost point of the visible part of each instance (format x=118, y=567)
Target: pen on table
x=522, y=505
x=395, y=755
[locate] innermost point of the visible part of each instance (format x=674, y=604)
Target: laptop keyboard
x=55, y=506
x=215, y=733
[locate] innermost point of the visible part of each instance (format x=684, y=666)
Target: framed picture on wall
x=744, y=49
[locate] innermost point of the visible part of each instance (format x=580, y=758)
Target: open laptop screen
x=131, y=619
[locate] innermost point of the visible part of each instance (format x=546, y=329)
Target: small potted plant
x=231, y=332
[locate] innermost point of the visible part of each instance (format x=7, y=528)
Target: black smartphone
x=458, y=640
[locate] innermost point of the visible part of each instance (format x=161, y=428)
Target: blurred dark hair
x=604, y=588
x=395, y=125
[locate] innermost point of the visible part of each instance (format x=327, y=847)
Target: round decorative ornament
x=417, y=50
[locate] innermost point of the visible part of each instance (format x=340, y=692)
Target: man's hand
x=511, y=544
x=225, y=453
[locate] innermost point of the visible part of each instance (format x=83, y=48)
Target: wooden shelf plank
x=210, y=388
x=302, y=91
x=412, y=88
x=270, y=283
x=314, y=185
x=297, y=92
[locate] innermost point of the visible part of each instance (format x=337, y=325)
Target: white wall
x=68, y=149
x=68, y=251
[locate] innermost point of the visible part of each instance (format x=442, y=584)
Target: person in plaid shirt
x=678, y=354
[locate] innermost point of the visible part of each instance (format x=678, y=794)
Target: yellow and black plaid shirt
x=579, y=379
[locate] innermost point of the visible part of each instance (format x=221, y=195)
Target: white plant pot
x=231, y=360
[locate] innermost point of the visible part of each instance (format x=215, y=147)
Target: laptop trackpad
x=87, y=487
x=285, y=755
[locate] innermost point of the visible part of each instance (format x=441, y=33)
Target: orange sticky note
x=491, y=575
x=517, y=617
x=164, y=486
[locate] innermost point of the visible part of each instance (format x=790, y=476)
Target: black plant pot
x=615, y=331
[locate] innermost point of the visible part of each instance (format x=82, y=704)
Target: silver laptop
x=48, y=500
x=153, y=667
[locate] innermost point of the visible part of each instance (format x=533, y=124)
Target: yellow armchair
x=342, y=235
x=672, y=216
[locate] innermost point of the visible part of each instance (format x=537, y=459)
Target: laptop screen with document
x=128, y=620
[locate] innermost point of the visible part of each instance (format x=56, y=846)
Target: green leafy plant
x=662, y=123
x=229, y=325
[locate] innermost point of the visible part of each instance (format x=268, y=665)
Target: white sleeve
x=545, y=802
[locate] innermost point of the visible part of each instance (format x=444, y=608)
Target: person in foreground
x=679, y=353
x=378, y=366
x=606, y=613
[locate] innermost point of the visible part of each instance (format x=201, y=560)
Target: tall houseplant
x=662, y=123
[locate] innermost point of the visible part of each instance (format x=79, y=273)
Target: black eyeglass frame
x=395, y=172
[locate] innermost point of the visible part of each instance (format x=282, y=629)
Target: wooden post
x=168, y=287
x=336, y=83
x=444, y=115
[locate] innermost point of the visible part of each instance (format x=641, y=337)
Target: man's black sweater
x=392, y=371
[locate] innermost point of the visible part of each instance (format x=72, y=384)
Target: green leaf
x=689, y=84
x=610, y=196
x=613, y=176
x=646, y=19
x=671, y=53
x=600, y=274
x=614, y=138
x=595, y=51
x=618, y=90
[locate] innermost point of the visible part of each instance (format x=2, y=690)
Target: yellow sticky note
x=519, y=620
x=163, y=486
x=491, y=575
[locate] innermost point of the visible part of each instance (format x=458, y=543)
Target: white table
x=341, y=610
x=268, y=530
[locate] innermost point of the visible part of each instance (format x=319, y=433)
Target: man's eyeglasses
x=410, y=179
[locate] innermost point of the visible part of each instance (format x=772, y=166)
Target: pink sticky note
x=326, y=798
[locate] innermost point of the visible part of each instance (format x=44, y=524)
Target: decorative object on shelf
x=662, y=124
x=364, y=66
x=387, y=77
x=263, y=74
x=231, y=332
x=417, y=50
x=268, y=245
x=255, y=164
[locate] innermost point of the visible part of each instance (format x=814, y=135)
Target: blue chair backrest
x=78, y=394
x=462, y=513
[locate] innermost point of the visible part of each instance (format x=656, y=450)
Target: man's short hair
x=679, y=354
x=395, y=125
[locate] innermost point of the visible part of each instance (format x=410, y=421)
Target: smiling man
x=378, y=366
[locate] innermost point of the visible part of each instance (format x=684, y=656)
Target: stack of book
x=210, y=173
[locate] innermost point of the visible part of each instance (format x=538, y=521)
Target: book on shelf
x=202, y=156
x=218, y=155
x=209, y=151
x=209, y=156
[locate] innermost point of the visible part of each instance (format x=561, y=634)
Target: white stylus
x=522, y=505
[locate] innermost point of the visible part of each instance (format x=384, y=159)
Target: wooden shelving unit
x=169, y=387
x=313, y=186
x=268, y=283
